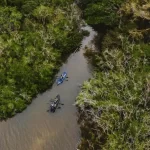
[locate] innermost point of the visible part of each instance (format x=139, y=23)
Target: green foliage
x=114, y=104
x=43, y=14
x=33, y=42
x=101, y=11
x=121, y=92
x=85, y=33
x=9, y=19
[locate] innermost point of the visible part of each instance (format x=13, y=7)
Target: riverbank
x=36, y=40
x=114, y=104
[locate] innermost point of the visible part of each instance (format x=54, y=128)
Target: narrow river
x=37, y=129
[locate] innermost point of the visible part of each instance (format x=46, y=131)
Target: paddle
x=60, y=76
x=57, y=76
x=61, y=103
x=50, y=101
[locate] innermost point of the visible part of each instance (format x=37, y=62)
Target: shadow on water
x=37, y=129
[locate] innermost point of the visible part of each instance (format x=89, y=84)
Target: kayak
x=55, y=103
x=61, y=78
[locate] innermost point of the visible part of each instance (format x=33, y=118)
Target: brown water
x=35, y=128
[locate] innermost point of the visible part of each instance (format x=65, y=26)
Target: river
x=37, y=129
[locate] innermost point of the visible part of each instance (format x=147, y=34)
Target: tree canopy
x=114, y=105
x=101, y=11
x=35, y=35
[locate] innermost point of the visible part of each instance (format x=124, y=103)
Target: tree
x=43, y=14
x=9, y=19
x=101, y=11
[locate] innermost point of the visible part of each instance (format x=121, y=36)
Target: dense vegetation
x=35, y=35
x=101, y=11
x=114, y=104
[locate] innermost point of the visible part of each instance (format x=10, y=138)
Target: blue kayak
x=61, y=78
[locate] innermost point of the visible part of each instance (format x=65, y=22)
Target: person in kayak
x=54, y=105
x=52, y=108
x=61, y=77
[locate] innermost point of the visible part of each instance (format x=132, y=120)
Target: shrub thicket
x=114, y=104
x=34, y=37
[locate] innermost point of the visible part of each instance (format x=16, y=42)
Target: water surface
x=35, y=128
